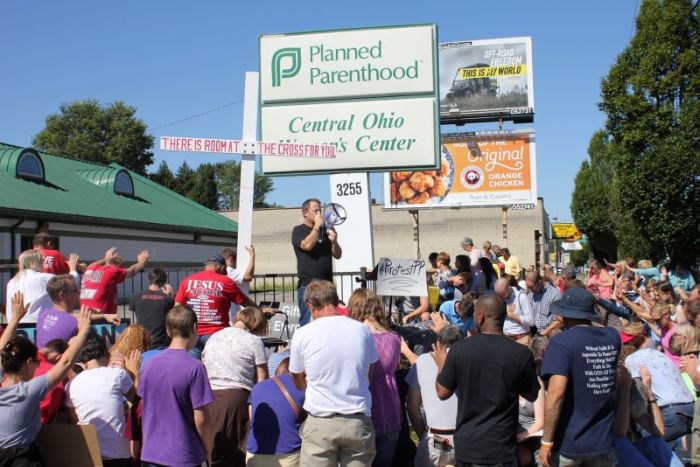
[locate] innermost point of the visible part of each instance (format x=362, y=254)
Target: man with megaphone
x=315, y=244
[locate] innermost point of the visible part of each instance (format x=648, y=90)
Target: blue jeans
x=196, y=351
x=647, y=452
x=678, y=421
x=304, y=312
x=386, y=448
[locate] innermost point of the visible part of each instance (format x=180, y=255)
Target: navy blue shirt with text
x=587, y=356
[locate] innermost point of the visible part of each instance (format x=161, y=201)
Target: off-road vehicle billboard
x=486, y=80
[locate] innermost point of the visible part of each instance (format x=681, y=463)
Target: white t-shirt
x=231, y=357
x=33, y=285
x=335, y=352
x=236, y=275
x=98, y=398
x=438, y=413
x=520, y=305
x=474, y=255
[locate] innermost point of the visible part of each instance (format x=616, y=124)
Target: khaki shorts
x=339, y=439
x=268, y=460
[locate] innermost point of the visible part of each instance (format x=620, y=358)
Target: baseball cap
x=576, y=303
x=216, y=259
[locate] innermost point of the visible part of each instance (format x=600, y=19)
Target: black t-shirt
x=488, y=373
x=151, y=307
x=314, y=264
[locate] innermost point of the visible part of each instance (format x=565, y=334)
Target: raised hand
x=84, y=319
x=439, y=322
x=143, y=257
x=19, y=308
x=133, y=361
x=73, y=261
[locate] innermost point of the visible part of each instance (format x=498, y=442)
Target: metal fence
x=263, y=287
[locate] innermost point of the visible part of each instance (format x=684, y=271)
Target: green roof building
x=91, y=207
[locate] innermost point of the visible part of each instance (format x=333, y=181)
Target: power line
x=206, y=112
x=634, y=18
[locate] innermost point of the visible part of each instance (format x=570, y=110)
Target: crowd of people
x=506, y=365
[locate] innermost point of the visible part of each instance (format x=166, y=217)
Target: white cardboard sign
x=401, y=277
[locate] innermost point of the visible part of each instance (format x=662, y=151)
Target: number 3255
x=348, y=189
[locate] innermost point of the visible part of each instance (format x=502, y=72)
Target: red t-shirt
x=53, y=400
x=99, y=287
x=209, y=294
x=54, y=262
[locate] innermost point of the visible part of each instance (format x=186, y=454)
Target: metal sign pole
x=247, y=188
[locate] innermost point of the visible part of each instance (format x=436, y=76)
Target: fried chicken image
x=420, y=198
x=439, y=189
x=421, y=182
x=406, y=191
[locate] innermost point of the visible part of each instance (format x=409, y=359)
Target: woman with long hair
x=134, y=338
x=365, y=306
x=484, y=280
x=32, y=283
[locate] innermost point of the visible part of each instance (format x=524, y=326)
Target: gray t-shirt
x=20, y=418
x=438, y=414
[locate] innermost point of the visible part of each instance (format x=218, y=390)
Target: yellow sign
x=568, y=232
x=492, y=71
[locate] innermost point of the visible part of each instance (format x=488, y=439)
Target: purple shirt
x=386, y=406
x=173, y=384
x=55, y=324
x=274, y=428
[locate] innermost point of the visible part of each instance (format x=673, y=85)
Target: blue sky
x=175, y=59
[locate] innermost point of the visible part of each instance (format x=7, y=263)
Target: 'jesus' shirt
x=209, y=295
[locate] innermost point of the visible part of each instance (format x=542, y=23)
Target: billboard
x=476, y=169
x=484, y=80
x=372, y=93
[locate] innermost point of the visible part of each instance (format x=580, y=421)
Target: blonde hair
x=644, y=264
x=692, y=338
x=29, y=260
x=660, y=309
x=487, y=245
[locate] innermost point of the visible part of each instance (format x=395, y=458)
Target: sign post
x=246, y=190
x=351, y=190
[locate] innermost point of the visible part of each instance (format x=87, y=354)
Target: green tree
x=184, y=180
x=92, y=132
x=651, y=97
x=228, y=176
x=204, y=191
x=591, y=200
x=163, y=176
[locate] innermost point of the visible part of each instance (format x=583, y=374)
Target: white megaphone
x=333, y=214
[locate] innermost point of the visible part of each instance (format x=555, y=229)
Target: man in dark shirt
x=314, y=246
x=151, y=306
x=579, y=369
x=487, y=372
